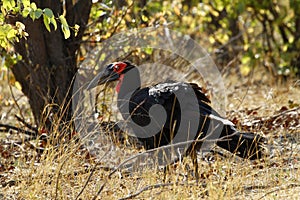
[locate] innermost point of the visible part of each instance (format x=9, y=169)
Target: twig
x=99, y=191
x=13, y=96
x=280, y=188
x=270, y=119
x=26, y=124
x=87, y=181
x=282, y=113
x=58, y=176
x=122, y=17
x=7, y=128
x=16, y=143
x=150, y=187
x=39, y=150
x=91, y=174
x=101, y=18
x=247, y=90
x=87, y=170
x=257, y=187
x=9, y=183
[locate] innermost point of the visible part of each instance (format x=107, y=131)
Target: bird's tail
x=246, y=145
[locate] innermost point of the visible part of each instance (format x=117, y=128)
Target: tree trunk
x=48, y=62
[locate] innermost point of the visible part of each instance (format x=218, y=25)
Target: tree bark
x=48, y=62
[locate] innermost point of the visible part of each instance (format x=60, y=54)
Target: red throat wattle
x=120, y=83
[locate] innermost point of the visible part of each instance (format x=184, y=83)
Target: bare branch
x=151, y=187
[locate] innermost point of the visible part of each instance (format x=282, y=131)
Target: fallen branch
x=284, y=112
x=7, y=128
x=280, y=188
x=150, y=151
x=150, y=187
x=275, y=116
x=26, y=124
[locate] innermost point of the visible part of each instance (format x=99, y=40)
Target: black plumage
x=135, y=104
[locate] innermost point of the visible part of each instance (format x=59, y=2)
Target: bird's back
x=179, y=100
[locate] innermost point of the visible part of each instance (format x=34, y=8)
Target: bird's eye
x=116, y=67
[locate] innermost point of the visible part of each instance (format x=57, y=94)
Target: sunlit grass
x=62, y=172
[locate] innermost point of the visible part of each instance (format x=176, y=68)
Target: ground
x=253, y=103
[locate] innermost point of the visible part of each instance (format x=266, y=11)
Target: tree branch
x=151, y=187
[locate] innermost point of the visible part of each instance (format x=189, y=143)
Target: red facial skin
x=119, y=67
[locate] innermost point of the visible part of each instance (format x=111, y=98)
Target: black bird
x=186, y=109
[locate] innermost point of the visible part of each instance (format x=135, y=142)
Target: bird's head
x=114, y=71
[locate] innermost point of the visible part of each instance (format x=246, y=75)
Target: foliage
x=252, y=34
x=9, y=34
x=245, y=33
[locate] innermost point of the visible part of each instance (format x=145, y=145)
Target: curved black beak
x=104, y=76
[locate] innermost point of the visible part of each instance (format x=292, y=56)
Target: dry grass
x=63, y=172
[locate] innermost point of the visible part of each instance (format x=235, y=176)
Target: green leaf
x=246, y=59
x=32, y=15
x=8, y=4
x=48, y=12
x=11, y=34
x=46, y=22
x=49, y=19
x=63, y=21
x=148, y=50
x=38, y=13
x=26, y=3
x=33, y=6
x=145, y=18
x=53, y=22
x=3, y=43
x=26, y=12
x=65, y=27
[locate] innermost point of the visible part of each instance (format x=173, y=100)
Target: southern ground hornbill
x=135, y=103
